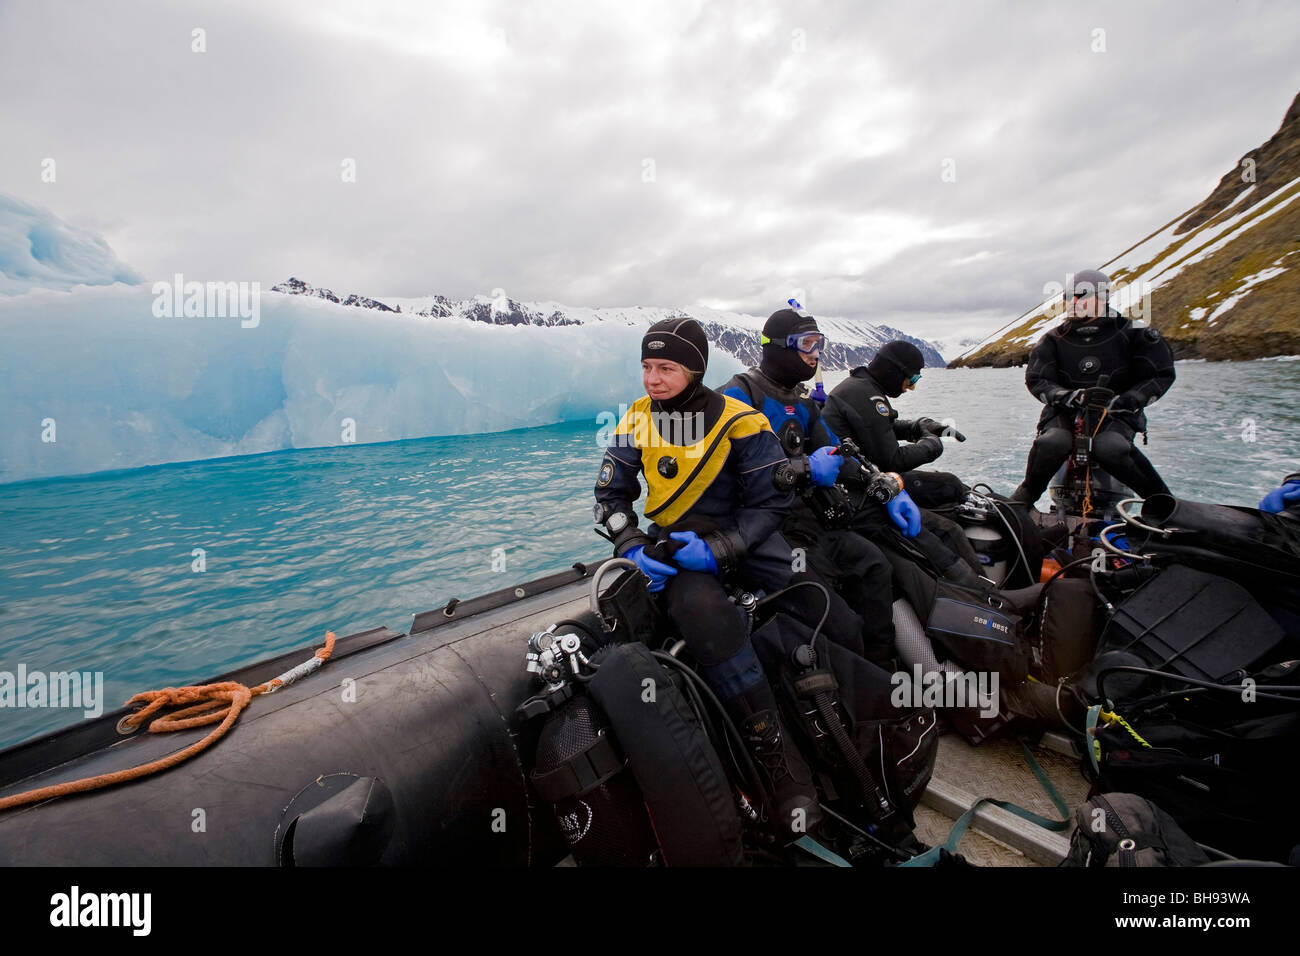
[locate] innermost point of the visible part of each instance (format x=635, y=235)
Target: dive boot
x=794, y=796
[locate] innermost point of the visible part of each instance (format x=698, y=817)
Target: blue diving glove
x=1276, y=501
x=818, y=394
x=694, y=555
x=904, y=512
x=825, y=466
x=656, y=571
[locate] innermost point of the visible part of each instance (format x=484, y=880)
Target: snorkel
x=819, y=390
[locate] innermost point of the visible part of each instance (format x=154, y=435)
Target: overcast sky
x=665, y=154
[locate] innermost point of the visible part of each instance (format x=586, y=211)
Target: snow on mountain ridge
x=736, y=333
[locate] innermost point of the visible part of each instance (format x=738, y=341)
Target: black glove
x=1126, y=402
x=928, y=426
x=1066, y=398
x=1097, y=396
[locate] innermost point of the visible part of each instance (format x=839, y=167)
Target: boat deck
x=997, y=768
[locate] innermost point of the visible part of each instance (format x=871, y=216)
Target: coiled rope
x=200, y=705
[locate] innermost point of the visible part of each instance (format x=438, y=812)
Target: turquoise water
x=96, y=573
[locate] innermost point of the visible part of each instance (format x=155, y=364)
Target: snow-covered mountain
x=849, y=343
x=1218, y=282
x=951, y=346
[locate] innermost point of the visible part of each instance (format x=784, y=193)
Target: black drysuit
x=857, y=568
x=1074, y=355
x=858, y=408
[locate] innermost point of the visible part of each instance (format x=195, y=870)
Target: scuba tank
x=622, y=758
x=1008, y=544
x=992, y=549
x=579, y=769
x=984, y=529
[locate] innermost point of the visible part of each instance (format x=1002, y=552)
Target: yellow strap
x=1113, y=718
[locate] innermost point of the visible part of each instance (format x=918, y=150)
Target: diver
x=792, y=346
x=1065, y=373
x=859, y=408
x=708, y=462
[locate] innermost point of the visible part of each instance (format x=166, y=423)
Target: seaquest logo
x=946, y=689
x=75, y=908
x=75, y=689
x=575, y=825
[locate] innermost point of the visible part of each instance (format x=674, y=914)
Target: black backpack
x=1223, y=778
x=898, y=745
x=1123, y=829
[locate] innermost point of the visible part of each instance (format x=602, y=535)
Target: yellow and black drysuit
x=708, y=466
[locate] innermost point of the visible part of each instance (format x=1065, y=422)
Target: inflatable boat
x=427, y=747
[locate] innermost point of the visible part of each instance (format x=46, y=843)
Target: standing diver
x=792, y=346
x=1065, y=373
x=708, y=462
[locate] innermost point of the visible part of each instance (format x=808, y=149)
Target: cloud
x=601, y=154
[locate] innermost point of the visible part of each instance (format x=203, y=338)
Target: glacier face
x=115, y=386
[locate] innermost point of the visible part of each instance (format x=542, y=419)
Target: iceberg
x=101, y=371
x=92, y=379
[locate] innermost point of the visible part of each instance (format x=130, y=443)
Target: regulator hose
x=878, y=805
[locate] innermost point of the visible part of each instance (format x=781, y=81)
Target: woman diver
x=708, y=462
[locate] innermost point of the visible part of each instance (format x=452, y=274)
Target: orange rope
x=206, y=704
x=1087, y=474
